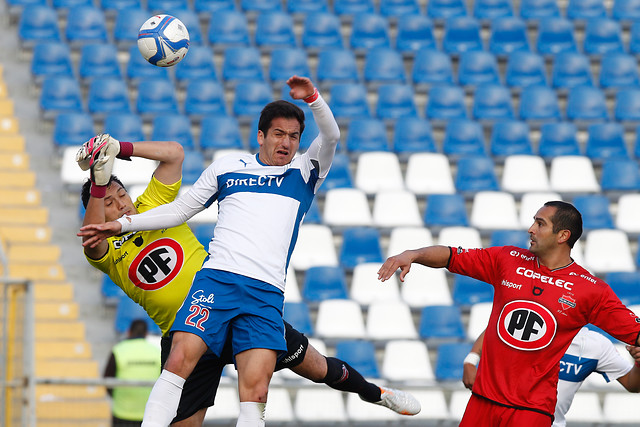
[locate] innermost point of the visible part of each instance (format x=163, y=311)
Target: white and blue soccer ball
x=163, y=40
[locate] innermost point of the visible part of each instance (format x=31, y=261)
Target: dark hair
x=138, y=328
x=86, y=189
x=566, y=217
x=276, y=109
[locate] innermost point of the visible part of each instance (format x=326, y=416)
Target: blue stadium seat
x=203, y=232
x=108, y=95
x=625, y=285
x=311, y=131
x=539, y=103
x=570, y=69
x=127, y=311
x=602, y=35
x=445, y=9
x=156, y=96
x=620, y=175
x=250, y=98
x=86, y=24
x=192, y=166
x=627, y=105
x=449, y=361
x=359, y=354
x=229, y=28
x=241, y=63
x=198, y=64
x=286, y=62
x=446, y=210
x=558, y=139
x=395, y=101
x=525, y=69
x=110, y=292
x=461, y=34
x=38, y=23
x=476, y=173
x=274, y=29
x=15, y=6
x=555, y=35
x=220, y=132
x=162, y=6
x=313, y=215
x=539, y=9
x=324, y=282
x=634, y=39
x=339, y=175
x=606, y=141
x=367, y=135
x=360, y=245
x=124, y=126
x=446, y=102
x=252, y=137
x=619, y=70
x=431, y=67
x=415, y=32
x=463, y=137
x=207, y=8
x=586, y=103
x=127, y=24
x=51, y=59
x=299, y=316
x=336, y=65
x=285, y=94
x=508, y=34
x=492, y=101
x=586, y=9
x=595, y=211
x=441, y=322
x=369, y=31
x=172, y=127
x=476, y=67
x=352, y=7
x=399, y=8
x=322, y=31
x=510, y=137
x=72, y=129
x=138, y=68
x=517, y=238
x=305, y=7
x=115, y=6
x=383, y=65
x=204, y=97
x=60, y=94
x=468, y=291
x=490, y=10
x=626, y=10
x=349, y=101
x=260, y=6
x=413, y=135
x=98, y=60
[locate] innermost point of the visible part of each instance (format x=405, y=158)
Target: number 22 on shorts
x=198, y=316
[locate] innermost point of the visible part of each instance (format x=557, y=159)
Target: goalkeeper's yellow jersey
x=154, y=268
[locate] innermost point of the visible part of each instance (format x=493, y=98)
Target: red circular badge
x=526, y=325
x=157, y=264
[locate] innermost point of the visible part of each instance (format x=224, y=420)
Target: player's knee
x=336, y=371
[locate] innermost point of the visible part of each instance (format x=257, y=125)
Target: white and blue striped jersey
x=589, y=352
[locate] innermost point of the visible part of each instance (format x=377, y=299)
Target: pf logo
x=157, y=264
x=526, y=325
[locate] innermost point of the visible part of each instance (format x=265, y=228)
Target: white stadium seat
x=407, y=360
x=628, y=216
x=396, y=208
x=390, y=320
x=531, y=202
x=366, y=288
x=573, y=174
x=608, y=250
x=429, y=173
x=315, y=247
x=377, y=171
x=494, y=210
x=523, y=174
x=340, y=319
x=465, y=237
x=346, y=207
x=425, y=286
x=320, y=405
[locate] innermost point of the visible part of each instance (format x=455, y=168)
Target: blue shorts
x=221, y=302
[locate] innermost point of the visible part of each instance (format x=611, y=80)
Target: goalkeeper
x=156, y=268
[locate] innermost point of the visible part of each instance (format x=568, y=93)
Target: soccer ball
x=163, y=40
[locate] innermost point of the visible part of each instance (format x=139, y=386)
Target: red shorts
x=481, y=412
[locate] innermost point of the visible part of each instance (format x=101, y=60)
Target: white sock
x=251, y=414
x=162, y=405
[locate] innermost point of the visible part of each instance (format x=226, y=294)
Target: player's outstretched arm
x=96, y=234
x=431, y=256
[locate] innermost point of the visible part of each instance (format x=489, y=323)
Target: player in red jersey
x=541, y=300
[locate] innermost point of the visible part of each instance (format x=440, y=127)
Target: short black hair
x=138, y=328
x=86, y=189
x=277, y=109
x=566, y=217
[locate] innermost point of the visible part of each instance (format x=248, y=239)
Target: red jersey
x=536, y=313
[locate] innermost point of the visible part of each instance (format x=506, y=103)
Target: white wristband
x=125, y=223
x=472, y=358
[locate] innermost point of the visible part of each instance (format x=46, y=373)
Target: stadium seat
x=198, y=64
x=204, y=97
x=586, y=104
x=172, y=127
x=539, y=9
x=585, y=409
x=415, y=32
x=314, y=247
x=313, y=215
x=429, y=173
x=468, y=291
x=602, y=35
x=360, y=354
x=445, y=9
x=431, y=67
x=346, y=207
x=401, y=238
x=192, y=166
x=607, y=251
x=349, y=101
x=320, y=405
x=60, y=94
x=383, y=65
x=366, y=135
x=445, y=210
x=525, y=69
x=399, y=8
x=138, y=68
x=86, y=24
x=379, y=328
x=461, y=34
x=395, y=101
x=490, y=10
x=595, y=210
x=625, y=10
x=558, y=139
x=110, y=292
x=412, y=134
x=376, y=171
x=38, y=23
x=287, y=62
x=321, y=31
x=114, y=6
x=127, y=311
x=634, y=38
x=524, y=174
x=441, y=323
x=510, y=137
x=160, y=6
x=493, y=210
x=348, y=8
x=220, y=132
x=324, y=282
x=51, y=58
x=529, y=205
x=241, y=63
x=619, y=70
x=416, y=294
x=491, y=103
x=570, y=69
x=463, y=137
x=72, y=129
x=407, y=361
x=98, y=60
x=229, y=29
x=203, y=232
x=260, y=6
x=450, y=360
x=250, y=98
x=336, y=65
x=124, y=126
x=339, y=319
x=539, y=103
x=475, y=173
x=627, y=215
x=396, y=208
x=605, y=141
x=366, y=289
x=156, y=96
x=466, y=237
x=369, y=31
x=360, y=244
x=555, y=35
x=620, y=175
x=108, y=95
x=274, y=29
x=305, y=7
x=517, y=238
x=627, y=106
x=446, y=102
x=508, y=34
x=476, y=67
x=127, y=23
x=573, y=174
x=583, y=10
x=339, y=175
x=206, y=8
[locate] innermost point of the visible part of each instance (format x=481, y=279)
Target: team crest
x=567, y=302
x=157, y=264
x=526, y=325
